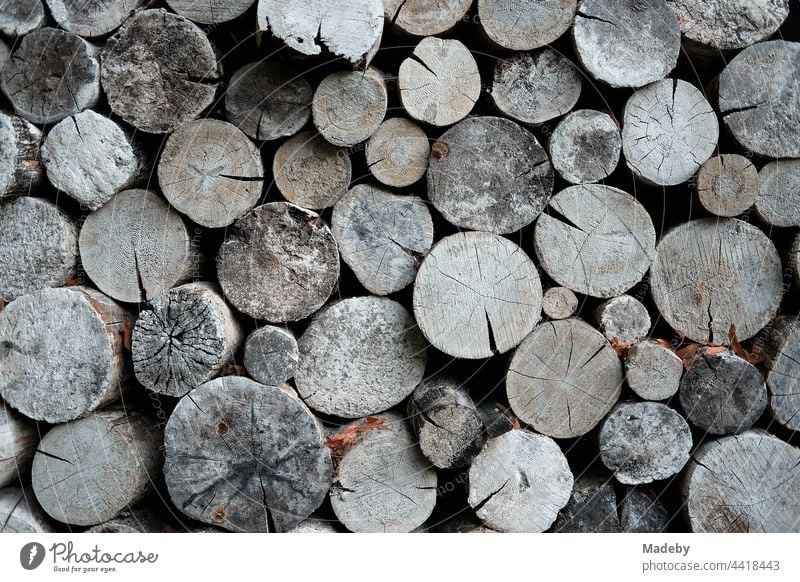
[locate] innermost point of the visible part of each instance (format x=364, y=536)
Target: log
x=624, y=318
x=398, y=152
x=5, y=54
x=315, y=526
x=641, y=511
x=627, y=43
x=781, y=350
x=778, y=199
x=245, y=457
x=592, y=508
x=382, y=236
x=135, y=247
x=564, y=378
x=703, y=278
x=496, y=419
x=178, y=85
x=519, y=482
x=210, y=11
x=90, y=158
x=21, y=172
x=727, y=185
x=439, y=83
x=488, y=173
x=559, y=303
x=40, y=246
x=653, y=371
x=45, y=372
x=19, y=17
x=523, y=26
x=18, y=440
x=349, y=106
x=211, y=172
x=585, y=146
x=595, y=239
x=311, y=172
x=669, y=131
x=643, y=442
x=279, y=262
x=51, y=74
x=268, y=100
x=87, y=471
x=726, y=481
x=20, y=513
x=360, y=356
x=140, y=519
x=756, y=99
x=271, y=355
x=477, y=294
x=183, y=338
x=423, y=18
x=90, y=18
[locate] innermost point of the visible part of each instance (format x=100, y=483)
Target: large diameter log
x=19, y=17
x=592, y=508
x=585, y=146
x=21, y=172
x=727, y=185
x=424, y=18
x=271, y=355
x=398, y=152
x=778, y=200
x=488, y=173
x=705, y=274
x=360, y=356
x=62, y=353
x=624, y=318
x=526, y=25
x=564, y=378
x=87, y=471
x=210, y=11
x=743, y=483
x=477, y=294
x=279, y=263
x=20, y=512
x=782, y=352
x=245, y=457
x=653, y=371
x=18, y=440
x=92, y=17
x=559, y=303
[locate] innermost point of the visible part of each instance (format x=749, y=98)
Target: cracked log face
x=20, y=512
x=727, y=185
x=712, y=273
x=398, y=152
x=585, y=146
x=564, y=378
x=526, y=24
x=744, y=483
x=271, y=355
x=782, y=351
x=778, y=200
x=477, y=294
x=210, y=11
x=20, y=169
x=18, y=439
x=424, y=18
x=19, y=17
x=653, y=371
x=245, y=457
x=92, y=17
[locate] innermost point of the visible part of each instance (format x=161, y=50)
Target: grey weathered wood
x=722, y=393
x=279, y=262
x=210, y=11
x=757, y=98
x=519, y=482
x=669, y=131
x=360, y=356
x=477, y=294
x=382, y=236
x=643, y=442
x=525, y=25
x=585, y=146
x=559, y=303
x=315, y=526
x=20, y=512
x=21, y=172
x=794, y=259
x=778, y=199
x=140, y=519
x=135, y=247
x=564, y=378
x=39, y=246
x=159, y=71
x=183, y=339
x=5, y=53
x=653, y=371
x=595, y=239
x=51, y=74
x=87, y=471
x=488, y=173
x=424, y=18
x=642, y=511
x=743, y=483
x=211, y=172
x=624, y=318
x=627, y=43
x=592, y=508
x=268, y=100
x=439, y=83
x=245, y=457
x=18, y=440
x=705, y=274
x=727, y=185
x=271, y=355
x=398, y=152
x=62, y=353
x=92, y=17
x=19, y=17
x=782, y=352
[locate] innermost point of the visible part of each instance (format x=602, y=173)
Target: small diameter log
x=653, y=371
x=40, y=246
x=19, y=17
x=778, y=200
x=382, y=236
x=488, y=173
x=519, y=482
x=311, y=172
x=669, y=131
x=644, y=441
x=87, y=471
x=360, y=356
x=383, y=483
x=703, y=278
x=279, y=263
x=595, y=239
x=268, y=100
x=641, y=511
x=439, y=83
x=559, y=303
x=184, y=339
x=18, y=440
x=90, y=158
x=62, y=353
x=271, y=355
x=722, y=393
x=522, y=26
x=21, y=172
x=477, y=294
x=210, y=11
x=179, y=84
x=727, y=185
x=624, y=318
x=585, y=146
x=20, y=512
x=92, y=17
x=245, y=457
x=627, y=43
x=592, y=508
x=743, y=483
x=398, y=152
x=136, y=247
x=423, y=18
x=564, y=378
x=782, y=352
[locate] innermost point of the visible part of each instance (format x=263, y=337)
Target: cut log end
x=624, y=318
x=727, y=185
x=585, y=146
x=271, y=355
x=653, y=371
